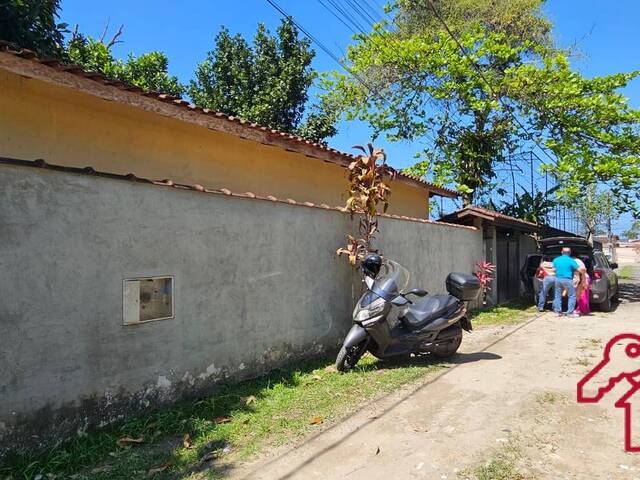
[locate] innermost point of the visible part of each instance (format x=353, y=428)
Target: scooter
x=389, y=324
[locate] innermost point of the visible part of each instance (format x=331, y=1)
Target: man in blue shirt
x=565, y=266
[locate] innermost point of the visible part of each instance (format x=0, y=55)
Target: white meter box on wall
x=147, y=299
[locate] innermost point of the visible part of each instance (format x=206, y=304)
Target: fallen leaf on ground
x=316, y=421
x=317, y=377
x=222, y=420
x=126, y=441
x=158, y=469
x=186, y=441
x=331, y=368
x=249, y=400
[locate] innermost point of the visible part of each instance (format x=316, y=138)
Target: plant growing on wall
x=368, y=191
x=485, y=273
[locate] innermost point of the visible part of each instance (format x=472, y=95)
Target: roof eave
x=25, y=63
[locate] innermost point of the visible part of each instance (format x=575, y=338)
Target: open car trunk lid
x=579, y=246
x=553, y=246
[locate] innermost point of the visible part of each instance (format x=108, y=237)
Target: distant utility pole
x=612, y=246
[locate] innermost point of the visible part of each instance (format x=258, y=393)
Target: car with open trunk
x=604, y=280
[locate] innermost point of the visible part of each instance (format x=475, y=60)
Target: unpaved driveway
x=512, y=402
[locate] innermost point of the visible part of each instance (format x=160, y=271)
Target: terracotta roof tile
x=130, y=177
x=7, y=47
x=487, y=214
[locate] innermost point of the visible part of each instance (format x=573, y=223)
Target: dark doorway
x=507, y=265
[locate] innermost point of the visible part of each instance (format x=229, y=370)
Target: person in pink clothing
x=582, y=281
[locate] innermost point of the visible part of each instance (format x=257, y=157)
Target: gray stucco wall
x=256, y=285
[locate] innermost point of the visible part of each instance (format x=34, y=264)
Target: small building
x=507, y=242
x=73, y=118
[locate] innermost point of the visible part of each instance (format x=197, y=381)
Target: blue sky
x=605, y=33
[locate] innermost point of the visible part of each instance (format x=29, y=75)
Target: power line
x=360, y=11
x=337, y=16
x=322, y=46
x=373, y=11
x=479, y=70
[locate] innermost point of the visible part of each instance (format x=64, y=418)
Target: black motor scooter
x=388, y=324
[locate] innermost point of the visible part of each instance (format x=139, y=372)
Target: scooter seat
x=427, y=309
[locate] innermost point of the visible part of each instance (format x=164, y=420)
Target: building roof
x=130, y=177
x=467, y=214
x=25, y=62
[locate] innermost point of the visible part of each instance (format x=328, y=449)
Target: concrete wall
x=256, y=285
x=66, y=127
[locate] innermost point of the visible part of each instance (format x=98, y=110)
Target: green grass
x=503, y=464
x=506, y=314
x=245, y=418
x=236, y=423
x=626, y=273
x=498, y=469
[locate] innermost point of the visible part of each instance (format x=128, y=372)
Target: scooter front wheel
x=348, y=357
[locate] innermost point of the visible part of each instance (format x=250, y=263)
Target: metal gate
x=507, y=266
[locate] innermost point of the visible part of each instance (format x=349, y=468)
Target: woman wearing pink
x=582, y=282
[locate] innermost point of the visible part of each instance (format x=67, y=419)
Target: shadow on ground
x=629, y=292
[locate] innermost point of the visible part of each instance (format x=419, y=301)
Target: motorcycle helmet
x=371, y=265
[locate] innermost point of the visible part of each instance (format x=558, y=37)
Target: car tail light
x=597, y=274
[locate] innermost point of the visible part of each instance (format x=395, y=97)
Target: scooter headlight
x=371, y=310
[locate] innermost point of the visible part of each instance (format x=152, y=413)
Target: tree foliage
x=633, y=232
x=470, y=107
x=368, y=193
x=531, y=207
x=149, y=71
x=33, y=24
x=520, y=18
x=595, y=208
x=266, y=82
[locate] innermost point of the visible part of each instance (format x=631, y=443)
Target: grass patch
x=498, y=469
x=505, y=314
x=582, y=361
x=549, y=397
x=626, y=273
x=503, y=465
x=590, y=344
x=236, y=422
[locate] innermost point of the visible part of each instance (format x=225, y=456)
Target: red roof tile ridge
x=27, y=54
x=493, y=213
x=90, y=171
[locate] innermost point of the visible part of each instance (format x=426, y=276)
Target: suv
x=604, y=280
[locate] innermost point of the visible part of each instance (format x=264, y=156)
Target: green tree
x=533, y=208
x=266, y=82
x=519, y=18
x=594, y=209
x=149, y=71
x=472, y=106
x=421, y=88
x=633, y=232
x=33, y=24
x=588, y=125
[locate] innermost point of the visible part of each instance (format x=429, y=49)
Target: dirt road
x=506, y=410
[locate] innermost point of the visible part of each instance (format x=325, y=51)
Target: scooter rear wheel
x=447, y=348
x=348, y=357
